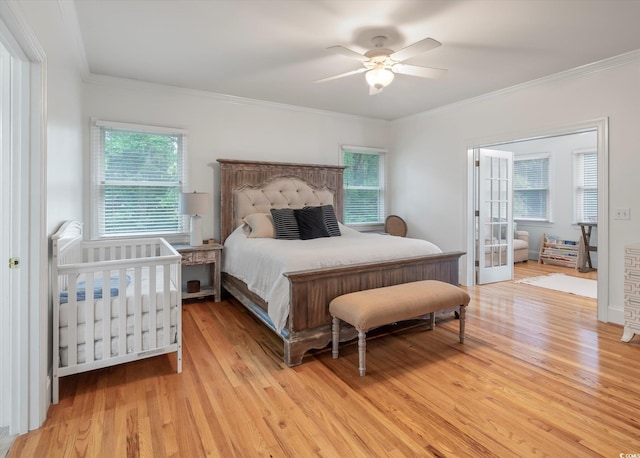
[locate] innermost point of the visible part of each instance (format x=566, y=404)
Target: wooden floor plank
x=537, y=375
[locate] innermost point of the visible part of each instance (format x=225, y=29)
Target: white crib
x=135, y=282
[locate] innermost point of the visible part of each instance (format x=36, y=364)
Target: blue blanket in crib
x=81, y=292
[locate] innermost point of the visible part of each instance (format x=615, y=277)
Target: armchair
x=521, y=246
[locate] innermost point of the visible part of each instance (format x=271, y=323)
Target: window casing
x=137, y=176
x=364, y=185
x=531, y=188
x=586, y=186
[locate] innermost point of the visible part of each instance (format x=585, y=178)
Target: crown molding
x=577, y=72
x=137, y=85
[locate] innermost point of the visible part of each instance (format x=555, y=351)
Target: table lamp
x=195, y=204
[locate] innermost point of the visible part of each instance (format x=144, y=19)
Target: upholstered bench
x=371, y=308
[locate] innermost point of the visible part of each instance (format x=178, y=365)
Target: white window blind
x=137, y=179
x=364, y=185
x=586, y=186
x=531, y=188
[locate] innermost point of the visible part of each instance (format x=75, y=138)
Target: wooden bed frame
x=309, y=323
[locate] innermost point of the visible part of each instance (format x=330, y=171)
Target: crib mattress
x=98, y=347
x=114, y=309
x=115, y=299
x=98, y=327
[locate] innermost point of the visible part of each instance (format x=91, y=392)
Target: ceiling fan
x=380, y=64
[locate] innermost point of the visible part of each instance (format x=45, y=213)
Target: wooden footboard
x=309, y=323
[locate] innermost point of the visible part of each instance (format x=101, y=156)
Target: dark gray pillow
x=330, y=220
x=311, y=223
x=285, y=224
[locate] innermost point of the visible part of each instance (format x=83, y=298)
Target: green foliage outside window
x=363, y=187
x=141, y=182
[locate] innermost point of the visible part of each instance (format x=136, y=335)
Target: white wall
x=64, y=112
x=430, y=152
x=227, y=127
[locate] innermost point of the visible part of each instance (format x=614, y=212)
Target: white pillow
x=260, y=225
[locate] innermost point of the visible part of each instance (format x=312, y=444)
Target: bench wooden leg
x=362, y=352
x=462, y=313
x=335, y=336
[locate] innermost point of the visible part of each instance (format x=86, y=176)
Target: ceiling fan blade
x=341, y=75
x=347, y=52
x=415, y=49
x=422, y=72
x=373, y=90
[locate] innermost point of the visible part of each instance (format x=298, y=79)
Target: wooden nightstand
x=210, y=255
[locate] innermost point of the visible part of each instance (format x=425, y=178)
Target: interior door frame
x=601, y=126
x=30, y=392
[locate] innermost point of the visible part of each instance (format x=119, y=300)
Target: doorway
x=555, y=193
x=596, y=128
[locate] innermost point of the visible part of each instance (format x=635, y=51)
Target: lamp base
x=195, y=238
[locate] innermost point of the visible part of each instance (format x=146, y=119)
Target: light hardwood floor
x=537, y=375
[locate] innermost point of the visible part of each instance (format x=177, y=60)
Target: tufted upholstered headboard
x=255, y=187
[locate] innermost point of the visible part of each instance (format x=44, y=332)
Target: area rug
x=565, y=283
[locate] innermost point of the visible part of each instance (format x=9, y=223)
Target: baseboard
x=615, y=315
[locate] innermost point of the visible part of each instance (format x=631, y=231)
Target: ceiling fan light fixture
x=380, y=64
x=379, y=77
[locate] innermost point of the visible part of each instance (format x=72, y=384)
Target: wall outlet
x=623, y=213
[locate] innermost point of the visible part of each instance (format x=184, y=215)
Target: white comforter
x=261, y=262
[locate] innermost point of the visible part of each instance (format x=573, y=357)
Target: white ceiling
x=273, y=50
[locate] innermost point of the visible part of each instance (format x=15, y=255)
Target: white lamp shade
x=379, y=77
x=194, y=203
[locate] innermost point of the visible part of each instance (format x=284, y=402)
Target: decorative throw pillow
x=311, y=223
x=330, y=220
x=285, y=224
x=260, y=225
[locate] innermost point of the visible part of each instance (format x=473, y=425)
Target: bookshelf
x=558, y=252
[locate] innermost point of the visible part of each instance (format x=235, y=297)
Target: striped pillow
x=285, y=224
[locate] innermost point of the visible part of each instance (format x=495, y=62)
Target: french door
x=494, y=215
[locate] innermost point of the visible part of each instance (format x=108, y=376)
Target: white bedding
x=261, y=262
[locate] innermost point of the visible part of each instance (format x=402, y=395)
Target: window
x=364, y=191
x=531, y=188
x=586, y=186
x=137, y=177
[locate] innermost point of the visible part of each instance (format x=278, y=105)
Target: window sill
x=366, y=227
